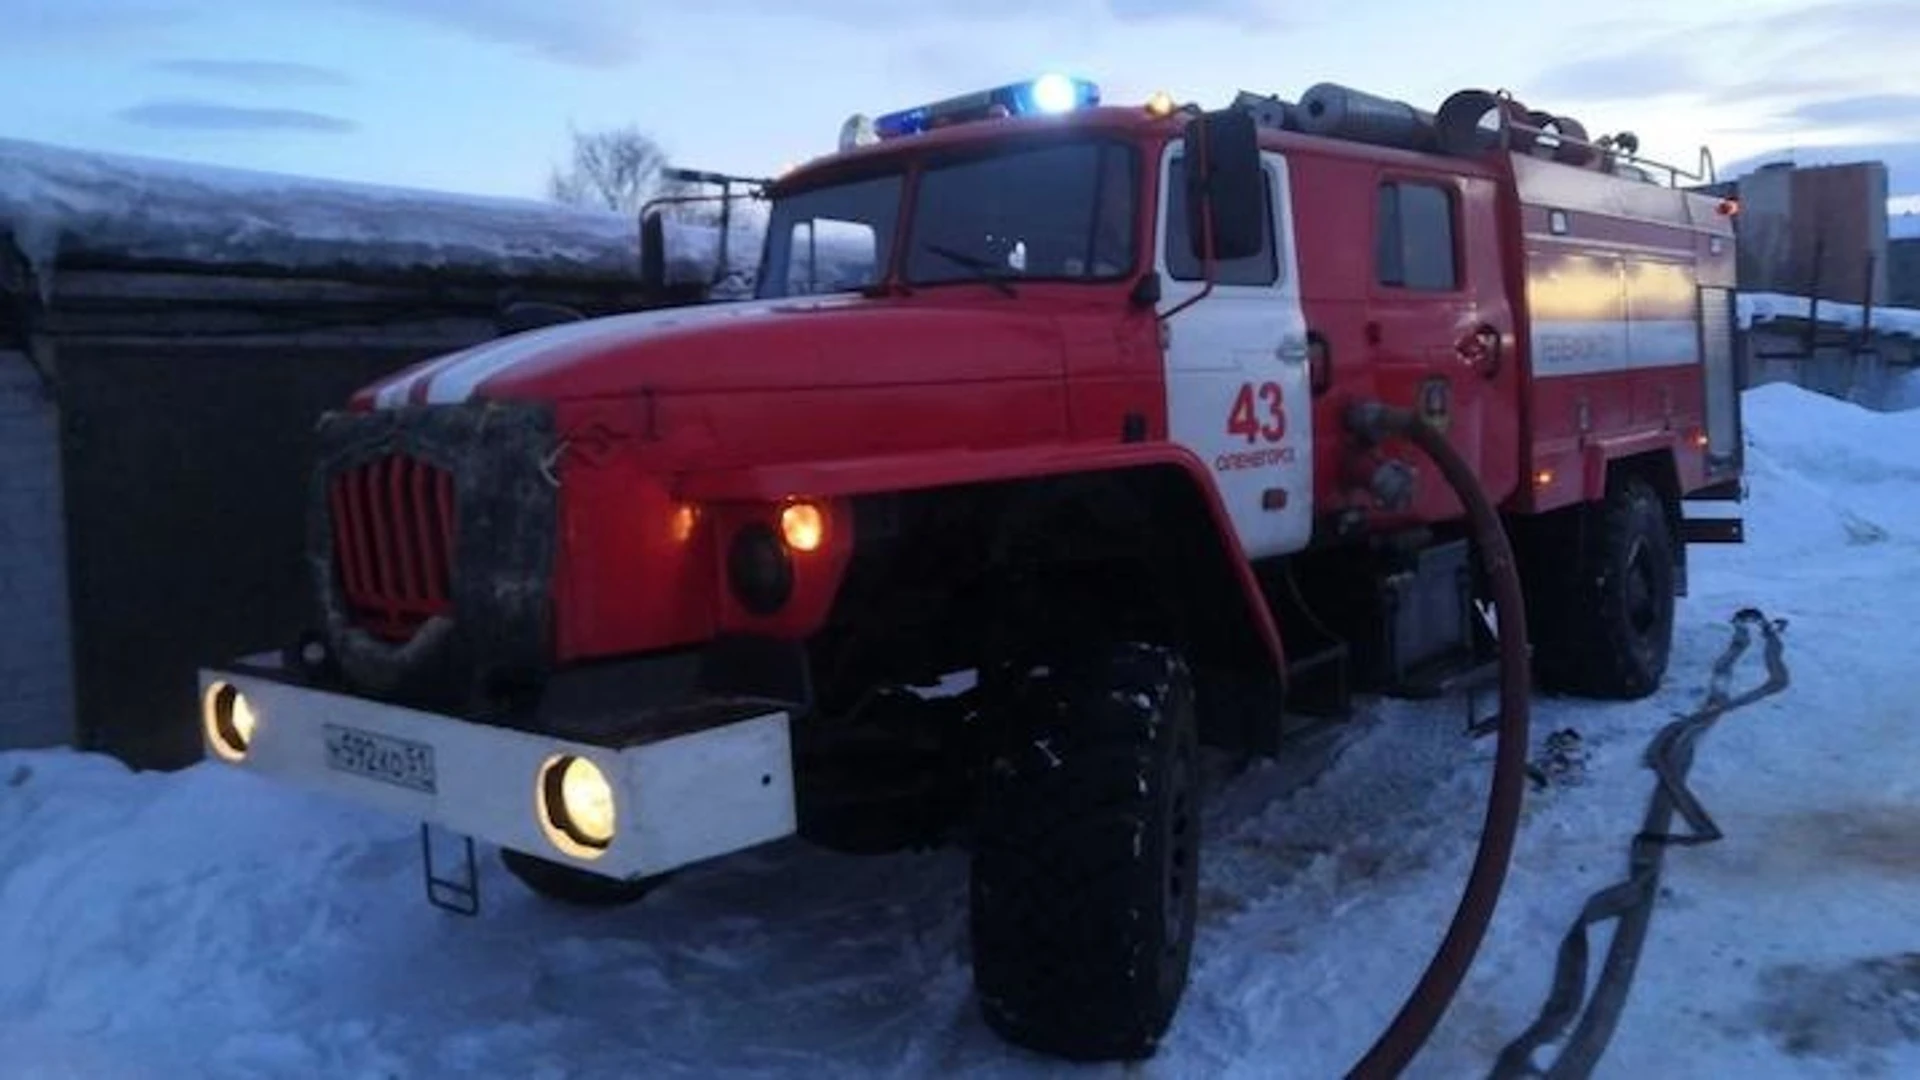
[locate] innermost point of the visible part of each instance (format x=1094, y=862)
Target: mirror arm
x=1206, y=226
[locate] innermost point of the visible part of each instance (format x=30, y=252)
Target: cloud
x=182, y=115
x=59, y=23
x=255, y=72
x=1794, y=87
x=1859, y=22
x=1625, y=76
x=1248, y=14
x=583, y=33
x=1897, y=111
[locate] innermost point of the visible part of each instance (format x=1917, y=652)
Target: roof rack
x=1523, y=130
x=1459, y=128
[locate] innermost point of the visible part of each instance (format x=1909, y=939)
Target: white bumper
x=677, y=801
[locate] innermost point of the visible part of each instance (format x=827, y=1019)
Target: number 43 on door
x=1258, y=413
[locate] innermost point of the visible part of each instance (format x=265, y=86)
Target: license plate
x=399, y=762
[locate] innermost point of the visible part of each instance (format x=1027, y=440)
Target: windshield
x=1064, y=211
x=1061, y=212
x=830, y=239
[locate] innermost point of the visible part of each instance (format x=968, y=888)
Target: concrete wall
x=36, y=671
x=1765, y=232
x=1840, y=229
x=1903, y=273
x=1821, y=228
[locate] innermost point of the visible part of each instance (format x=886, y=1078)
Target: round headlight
x=576, y=805
x=228, y=718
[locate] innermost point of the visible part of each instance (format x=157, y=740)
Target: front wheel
x=570, y=885
x=1086, y=860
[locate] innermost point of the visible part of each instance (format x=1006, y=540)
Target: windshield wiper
x=990, y=272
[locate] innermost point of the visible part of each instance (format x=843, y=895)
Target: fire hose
x=1427, y=1002
x=1670, y=756
x=1631, y=901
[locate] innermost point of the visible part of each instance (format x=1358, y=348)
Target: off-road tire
x=1086, y=855
x=568, y=885
x=1609, y=615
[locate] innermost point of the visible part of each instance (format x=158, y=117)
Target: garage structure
x=168, y=335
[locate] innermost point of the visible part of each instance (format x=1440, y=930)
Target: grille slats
x=422, y=491
x=393, y=532
x=406, y=541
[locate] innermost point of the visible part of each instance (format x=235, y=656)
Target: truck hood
x=812, y=343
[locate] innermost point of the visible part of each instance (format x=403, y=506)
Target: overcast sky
x=478, y=95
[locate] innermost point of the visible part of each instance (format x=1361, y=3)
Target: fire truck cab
x=1031, y=468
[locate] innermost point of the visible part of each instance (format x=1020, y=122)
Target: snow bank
x=1833, y=482
x=206, y=923
x=59, y=202
x=1763, y=306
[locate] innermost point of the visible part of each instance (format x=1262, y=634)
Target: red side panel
x=1613, y=271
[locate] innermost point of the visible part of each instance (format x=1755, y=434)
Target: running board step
x=1713, y=531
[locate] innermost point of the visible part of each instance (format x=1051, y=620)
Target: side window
x=1262, y=268
x=1414, y=247
x=827, y=255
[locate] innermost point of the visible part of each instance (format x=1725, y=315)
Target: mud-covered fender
x=734, y=491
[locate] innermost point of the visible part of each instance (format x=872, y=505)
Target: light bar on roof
x=1048, y=94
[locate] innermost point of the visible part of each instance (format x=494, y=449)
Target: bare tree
x=617, y=169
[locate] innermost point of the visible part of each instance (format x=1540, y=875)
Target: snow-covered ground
x=206, y=924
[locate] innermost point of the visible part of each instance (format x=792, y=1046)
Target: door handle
x=1292, y=350
x=1480, y=350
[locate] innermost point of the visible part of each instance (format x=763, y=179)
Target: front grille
x=393, y=539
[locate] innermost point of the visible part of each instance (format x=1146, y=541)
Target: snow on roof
x=61, y=202
x=1765, y=306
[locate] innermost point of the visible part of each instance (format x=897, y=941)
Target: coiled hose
x=1413, y=1025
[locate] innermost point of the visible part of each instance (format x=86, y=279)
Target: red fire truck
x=1033, y=467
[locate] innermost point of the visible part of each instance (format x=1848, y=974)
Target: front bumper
x=678, y=799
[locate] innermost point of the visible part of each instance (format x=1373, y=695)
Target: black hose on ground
x=1631, y=901
x=1428, y=1001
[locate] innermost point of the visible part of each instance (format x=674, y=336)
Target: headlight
x=228, y=718
x=576, y=805
x=803, y=525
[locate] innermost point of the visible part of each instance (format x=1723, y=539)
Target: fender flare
x=852, y=477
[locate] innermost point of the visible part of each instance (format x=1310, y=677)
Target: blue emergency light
x=1048, y=94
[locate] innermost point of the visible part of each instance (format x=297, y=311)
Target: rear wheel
x=1086, y=860
x=1611, y=609
x=570, y=885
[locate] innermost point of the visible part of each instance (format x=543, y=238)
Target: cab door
x=1236, y=367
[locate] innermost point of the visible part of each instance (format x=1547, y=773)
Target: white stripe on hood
x=457, y=377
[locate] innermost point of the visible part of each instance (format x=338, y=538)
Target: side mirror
x=675, y=254
x=1225, y=183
